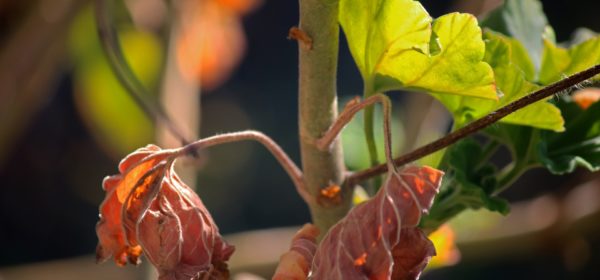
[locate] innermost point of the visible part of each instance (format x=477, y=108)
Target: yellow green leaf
x=558, y=62
x=511, y=82
x=456, y=69
x=378, y=30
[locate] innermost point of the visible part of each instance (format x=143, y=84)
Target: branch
x=109, y=39
x=478, y=124
x=290, y=167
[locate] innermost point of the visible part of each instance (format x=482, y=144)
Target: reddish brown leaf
x=412, y=254
x=295, y=264
x=378, y=237
x=149, y=209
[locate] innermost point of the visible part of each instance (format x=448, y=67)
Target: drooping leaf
x=149, y=210
x=579, y=145
x=391, y=42
x=295, y=264
x=523, y=20
x=558, y=62
x=511, y=81
x=378, y=239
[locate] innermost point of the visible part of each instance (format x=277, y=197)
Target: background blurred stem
x=109, y=39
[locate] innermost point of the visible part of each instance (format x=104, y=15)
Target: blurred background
x=66, y=121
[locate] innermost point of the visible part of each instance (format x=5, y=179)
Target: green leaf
x=578, y=146
x=469, y=184
x=457, y=68
x=558, y=62
x=395, y=46
x=523, y=20
x=511, y=81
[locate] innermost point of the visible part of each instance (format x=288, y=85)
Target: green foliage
x=410, y=51
x=510, y=80
x=558, y=62
x=469, y=184
x=578, y=146
x=523, y=20
x=396, y=45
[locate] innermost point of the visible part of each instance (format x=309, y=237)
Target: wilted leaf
x=378, y=239
x=295, y=264
x=149, y=210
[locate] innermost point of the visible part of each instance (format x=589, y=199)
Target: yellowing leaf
x=456, y=69
x=395, y=46
x=559, y=62
x=511, y=81
x=378, y=30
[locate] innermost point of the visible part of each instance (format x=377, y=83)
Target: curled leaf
x=149, y=210
x=412, y=255
x=295, y=264
x=378, y=238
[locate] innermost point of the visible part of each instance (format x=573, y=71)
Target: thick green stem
x=318, y=109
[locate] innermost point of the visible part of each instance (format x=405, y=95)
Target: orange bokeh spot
x=211, y=40
x=586, y=97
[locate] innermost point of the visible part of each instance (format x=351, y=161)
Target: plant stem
x=290, y=167
x=480, y=123
x=352, y=107
x=318, y=108
x=508, y=175
x=109, y=39
x=368, y=125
